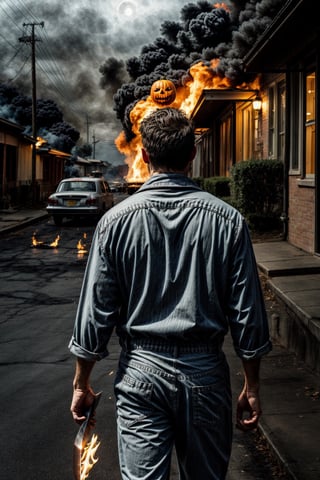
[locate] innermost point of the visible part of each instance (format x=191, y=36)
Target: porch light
x=257, y=104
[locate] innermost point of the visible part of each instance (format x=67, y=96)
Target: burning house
x=252, y=95
x=247, y=75
x=201, y=53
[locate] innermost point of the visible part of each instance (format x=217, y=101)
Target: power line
x=25, y=8
x=12, y=19
x=13, y=57
x=47, y=51
x=24, y=11
x=7, y=41
x=19, y=72
x=45, y=62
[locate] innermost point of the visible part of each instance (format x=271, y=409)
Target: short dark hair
x=168, y=137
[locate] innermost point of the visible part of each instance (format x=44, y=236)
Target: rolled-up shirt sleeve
x=246, y=308
x=99, y=304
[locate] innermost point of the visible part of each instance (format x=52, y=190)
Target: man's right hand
x=81, y=402
x=248, y=409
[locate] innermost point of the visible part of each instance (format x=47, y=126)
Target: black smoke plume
x=49, y=119
x=204, y=32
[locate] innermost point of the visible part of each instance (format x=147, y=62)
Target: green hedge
x=256, y=188
x=199, y=181
x=218, y=186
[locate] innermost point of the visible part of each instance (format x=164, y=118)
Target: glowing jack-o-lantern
x=163, y=92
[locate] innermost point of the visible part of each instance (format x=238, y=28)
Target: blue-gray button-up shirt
x=173, y=262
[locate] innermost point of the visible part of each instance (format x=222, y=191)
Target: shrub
x=256, y=188
x=199, y=181
x=218, y=186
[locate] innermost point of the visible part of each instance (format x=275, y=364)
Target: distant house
x=285, y=125
x=15, y=162
x=86, y=166
x=16, y=166
x=50, y=168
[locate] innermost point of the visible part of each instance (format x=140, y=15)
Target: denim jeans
x=171, y=396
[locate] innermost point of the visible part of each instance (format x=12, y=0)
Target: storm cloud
x=78, y=39
x=96, y=59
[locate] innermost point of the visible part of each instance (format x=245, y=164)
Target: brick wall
x=301, y=224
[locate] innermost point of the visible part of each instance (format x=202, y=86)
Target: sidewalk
x=291, y=411
x=290, y=390
x=11, y=220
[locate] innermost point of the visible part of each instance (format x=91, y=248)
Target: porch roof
x=15, y=129
x=45, y=150
x=213, y=101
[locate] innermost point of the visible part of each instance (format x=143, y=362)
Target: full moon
x=127, y=9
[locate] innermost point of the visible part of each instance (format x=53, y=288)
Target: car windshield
x=77, y=186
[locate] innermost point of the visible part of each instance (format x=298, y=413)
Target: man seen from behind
x=172, y=271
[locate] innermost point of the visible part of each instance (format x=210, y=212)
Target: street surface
x=39, y=289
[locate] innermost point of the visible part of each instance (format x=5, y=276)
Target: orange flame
x=81, y=247
x=222, y=5
x=55, y=242
x=88, y=459
x=201, y=76
x=37, y=243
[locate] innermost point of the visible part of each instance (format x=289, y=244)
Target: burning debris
x=88, y=459
x=39, y=244
x=81, y=246
x=84, y=451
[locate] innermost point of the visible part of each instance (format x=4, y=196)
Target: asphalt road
x=39, y=290
x=39, y=293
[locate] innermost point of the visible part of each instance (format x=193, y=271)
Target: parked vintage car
x=80, y=197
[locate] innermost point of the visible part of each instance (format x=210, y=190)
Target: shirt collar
x=160, y=180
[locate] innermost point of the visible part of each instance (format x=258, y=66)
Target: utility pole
x=94, y=141
x=31, y=39
x=87, y=123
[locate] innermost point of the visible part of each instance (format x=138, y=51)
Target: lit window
x=310, y=124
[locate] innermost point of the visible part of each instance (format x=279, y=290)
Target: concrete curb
x=21, y=219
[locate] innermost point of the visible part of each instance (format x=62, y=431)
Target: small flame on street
x=37, y=243
x=88, y=459
x=81, y=246
x=55, y=242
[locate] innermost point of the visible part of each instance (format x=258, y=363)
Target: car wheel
x=57, y=220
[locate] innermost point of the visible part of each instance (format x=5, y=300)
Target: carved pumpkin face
x=163, y=92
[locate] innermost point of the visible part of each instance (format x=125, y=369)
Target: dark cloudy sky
x=77, y=38
x=84, y=45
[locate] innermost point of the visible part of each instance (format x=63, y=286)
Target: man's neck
x=166, y=170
